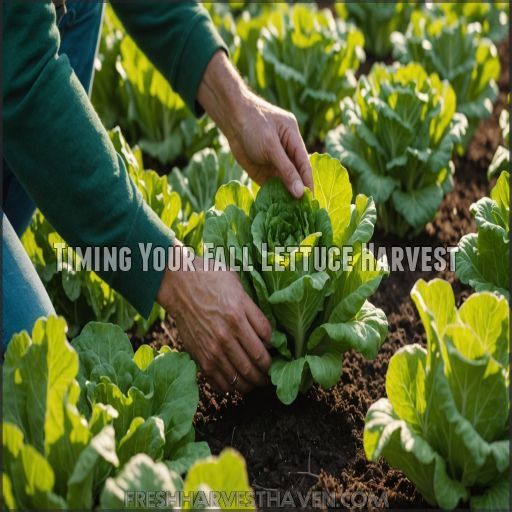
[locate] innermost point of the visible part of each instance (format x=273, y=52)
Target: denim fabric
x=79, y=31
x=24, y=296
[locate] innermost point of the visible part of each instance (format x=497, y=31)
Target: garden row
x=104, y=410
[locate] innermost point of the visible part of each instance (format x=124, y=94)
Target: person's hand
x=264, y=139
x=220, y=326
x=268, y=143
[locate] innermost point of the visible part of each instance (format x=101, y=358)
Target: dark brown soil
x=316, y=443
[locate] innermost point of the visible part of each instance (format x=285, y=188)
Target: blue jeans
x=24, y=296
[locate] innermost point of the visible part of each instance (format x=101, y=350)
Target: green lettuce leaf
x=377, y=21
x=197, y=185
x=141, y=475
x=213, y=482
x=491, y=15
x=501, y=159
x=226, y=473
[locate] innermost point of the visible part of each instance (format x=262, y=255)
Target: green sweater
x=56, y=146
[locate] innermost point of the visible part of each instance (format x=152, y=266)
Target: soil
x=316, y=443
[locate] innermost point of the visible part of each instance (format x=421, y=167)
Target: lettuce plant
x=492, y=16
x=130, y=92
x=154, y=393
x=157, y=119
x=377, y=21
x=81, y=296
x=482, y=259
x=445, y=420
x=53, y=456
x=501, y=159
x=59, y=456
x=455, y=51
x=317, y=311
x=307, y=64
x=396, y=138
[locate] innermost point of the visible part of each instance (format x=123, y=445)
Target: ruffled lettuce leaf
x=377, y=22
x=219, y=483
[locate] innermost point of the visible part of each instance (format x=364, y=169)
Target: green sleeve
x=178, y=37
x=56, y=146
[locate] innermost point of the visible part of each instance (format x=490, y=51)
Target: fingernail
x=297, y=189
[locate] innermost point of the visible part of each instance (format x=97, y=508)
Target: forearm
x=223, y=94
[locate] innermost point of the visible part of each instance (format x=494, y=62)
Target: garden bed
x=316, y=443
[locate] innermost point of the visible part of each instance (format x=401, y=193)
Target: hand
x=264, y=139
x=221, y=328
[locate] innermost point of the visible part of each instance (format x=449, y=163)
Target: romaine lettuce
x=63, y=449
x=154, y=393
x=447, y=45
x=317, y=312
x=482, y=259
x=445, y=421
x=396, y=138
x=53, y=456
x=197, y=185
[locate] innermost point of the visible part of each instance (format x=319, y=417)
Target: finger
x=286, y=170
x=233, y=378
x=258, y=321
x=296, y=151
x=246, y=369
x=254, y=347
x=242, y=386
x=218, y=382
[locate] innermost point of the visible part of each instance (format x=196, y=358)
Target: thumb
x=286, y=171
